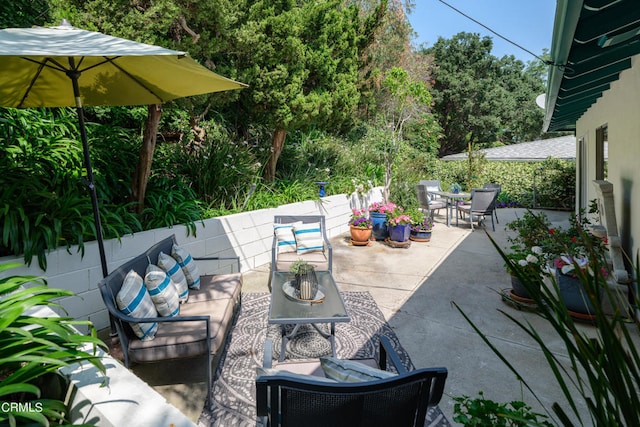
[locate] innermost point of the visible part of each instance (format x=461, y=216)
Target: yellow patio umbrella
x=65, y=66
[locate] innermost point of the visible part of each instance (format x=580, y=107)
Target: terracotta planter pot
x=360, y=235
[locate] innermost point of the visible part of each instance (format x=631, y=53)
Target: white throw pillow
x=134, y=300
x=189, y=267
x=173, y=269
x=308, y=238
x=284, y=235
x=162, y=290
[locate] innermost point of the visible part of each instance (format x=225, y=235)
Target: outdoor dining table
x=452, y=199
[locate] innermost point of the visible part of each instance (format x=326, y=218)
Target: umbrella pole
x=73, y=75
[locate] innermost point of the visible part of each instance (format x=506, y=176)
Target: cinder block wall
x=247, y=235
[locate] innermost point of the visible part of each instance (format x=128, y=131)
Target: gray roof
x=563, y=147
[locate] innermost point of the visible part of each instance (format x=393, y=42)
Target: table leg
x=285, y=338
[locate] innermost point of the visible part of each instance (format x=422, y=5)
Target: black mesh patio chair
x=401, y=400
x=483, y=203
x=498, y=187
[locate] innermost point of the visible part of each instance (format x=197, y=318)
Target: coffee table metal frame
x=285, y=311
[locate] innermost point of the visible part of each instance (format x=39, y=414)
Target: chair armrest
x=267, y=358
x=129, y=319
x=219, y=258
x=387, y=351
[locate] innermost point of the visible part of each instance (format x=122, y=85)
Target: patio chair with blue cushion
x=335, y=392
x=300, y=237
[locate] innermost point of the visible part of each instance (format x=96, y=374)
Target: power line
x=496, y=33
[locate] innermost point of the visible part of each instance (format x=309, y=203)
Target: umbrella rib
x=160, y=100
x=33, y=80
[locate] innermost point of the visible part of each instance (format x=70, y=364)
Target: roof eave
x=564, y=28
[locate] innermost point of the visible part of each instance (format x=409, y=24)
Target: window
x=602, y=137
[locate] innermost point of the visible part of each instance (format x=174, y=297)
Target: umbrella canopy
x=65, y=66
x=35, y=62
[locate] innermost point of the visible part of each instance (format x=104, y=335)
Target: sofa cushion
x=173, y=269
x=351, y=371
x=186, y=339
x=189, y=267
x=162, y=290
x=134, y=300
x=286, y=241
x=308, y=238
x=317, y=259
x=219, y=286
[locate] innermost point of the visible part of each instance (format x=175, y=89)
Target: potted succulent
x=360, y=227
x=421, y=226
x=306, y=282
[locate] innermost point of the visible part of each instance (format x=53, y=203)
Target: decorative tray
x=293, y=294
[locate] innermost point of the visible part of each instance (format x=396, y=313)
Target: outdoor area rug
x=234, y=382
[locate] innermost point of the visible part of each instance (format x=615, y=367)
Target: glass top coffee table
x=284, y=310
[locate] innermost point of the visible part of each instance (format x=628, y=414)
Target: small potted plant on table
x=306, y=281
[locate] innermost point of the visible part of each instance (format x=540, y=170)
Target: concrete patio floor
x=415, y=288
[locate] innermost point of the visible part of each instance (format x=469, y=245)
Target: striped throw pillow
x=134, y=300
x=173, y=269
x=308, y=238
x=162, y=290
x=351, y=371
x=189, y=267
x=284, y=235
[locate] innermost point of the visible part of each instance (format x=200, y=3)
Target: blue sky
x=529, y=23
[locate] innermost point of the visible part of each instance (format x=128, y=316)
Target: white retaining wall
x=247, y=235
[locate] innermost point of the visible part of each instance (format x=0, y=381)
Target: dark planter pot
x=573, y=294
x=518, y=288
x=420, y=236
x=380, y=229
x=399, y=233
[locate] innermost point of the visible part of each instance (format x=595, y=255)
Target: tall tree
x=479, y=98
x=406, y=99
x=23, y=13
x=300, y=59
x=173, y=24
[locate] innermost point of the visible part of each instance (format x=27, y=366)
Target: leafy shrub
x=34, y=348
x=480, y=411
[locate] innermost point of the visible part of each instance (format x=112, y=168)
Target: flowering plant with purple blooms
x=359, y=219
x=425, y=225
x=384, y=208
